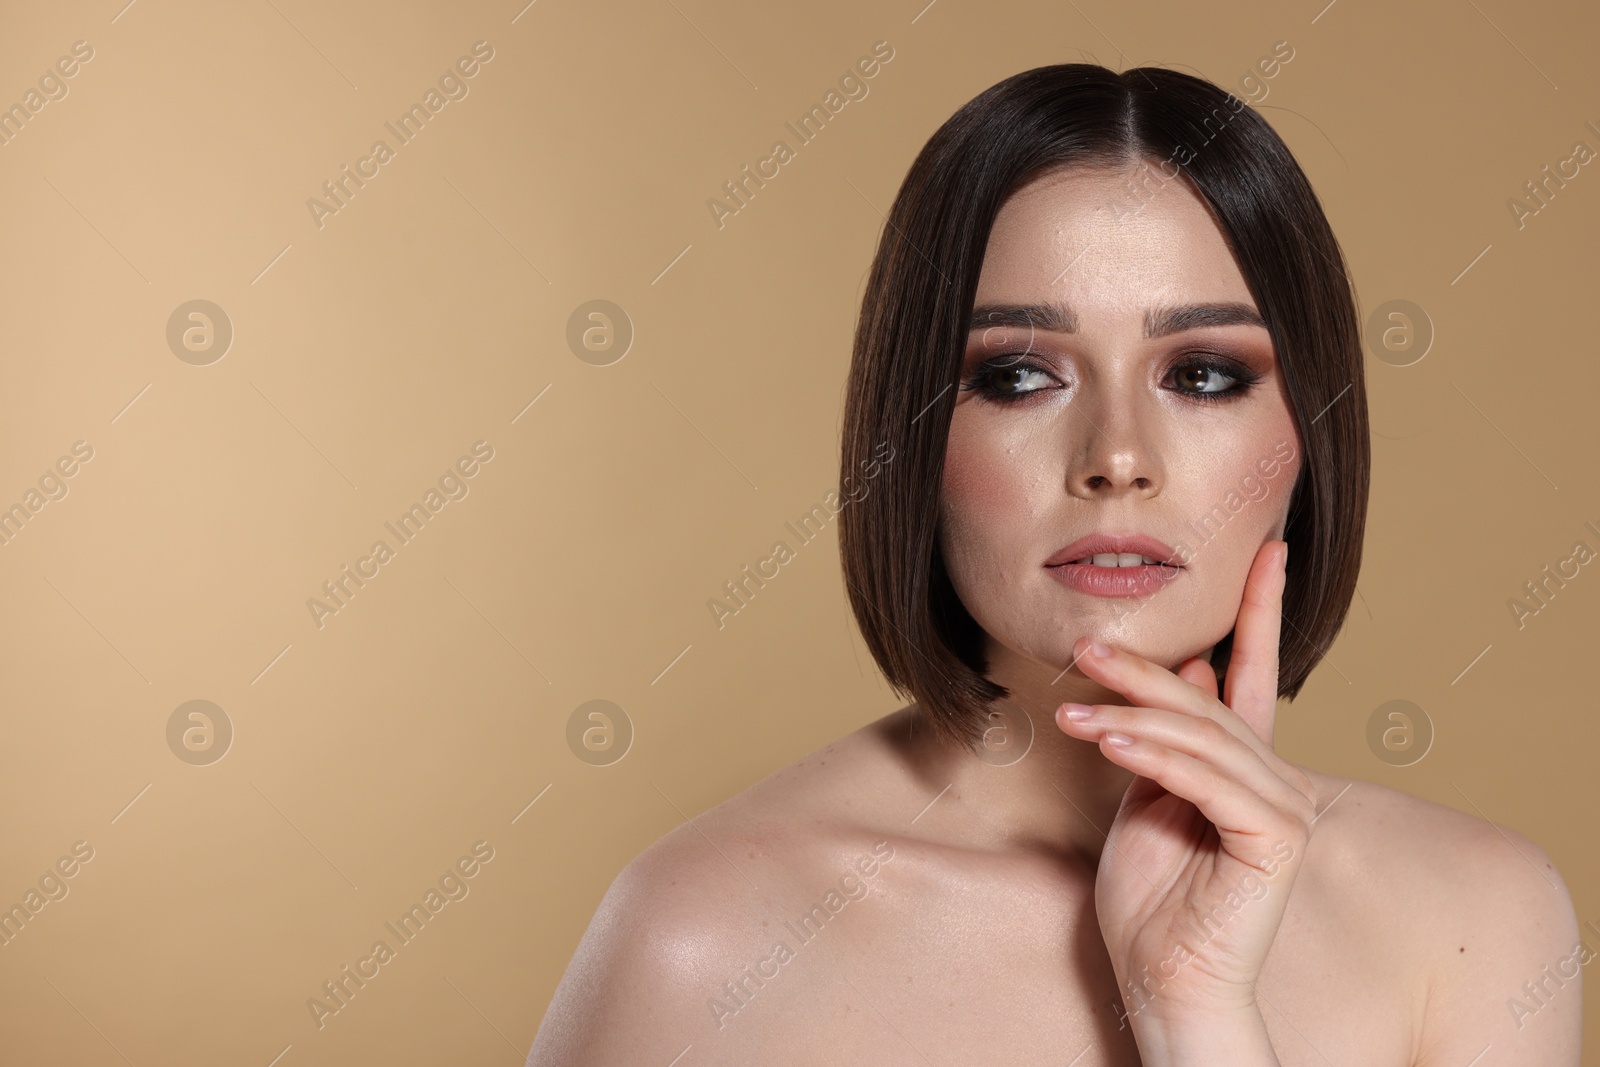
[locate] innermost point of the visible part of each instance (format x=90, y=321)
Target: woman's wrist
x=1237, y=1038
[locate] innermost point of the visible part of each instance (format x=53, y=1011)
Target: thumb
x=1198, y=672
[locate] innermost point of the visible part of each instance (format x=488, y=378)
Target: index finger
x=1250, y=687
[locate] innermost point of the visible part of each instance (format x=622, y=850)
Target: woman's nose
x=1112, y=453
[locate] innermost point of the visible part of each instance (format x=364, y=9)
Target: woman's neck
x=1050, y=793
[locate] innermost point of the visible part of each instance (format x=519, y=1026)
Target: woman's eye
x=1203, y=378
x=999, y=380
x=1215, y=379
x=1007, y=378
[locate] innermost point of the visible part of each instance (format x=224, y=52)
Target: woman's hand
x=1199, y=861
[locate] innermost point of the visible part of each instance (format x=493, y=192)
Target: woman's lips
x=1107, y=543
x=1114, y=581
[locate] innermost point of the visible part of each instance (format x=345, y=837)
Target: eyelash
x=1243, y=377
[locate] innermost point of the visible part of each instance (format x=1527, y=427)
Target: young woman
x=1107, y=377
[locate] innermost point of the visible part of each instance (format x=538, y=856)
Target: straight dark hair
x=912, y=334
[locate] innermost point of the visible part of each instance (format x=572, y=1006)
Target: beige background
x=369, y=354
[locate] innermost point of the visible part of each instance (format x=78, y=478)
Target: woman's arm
x=1239, y=1041
x=1214, y=815
x=634, y=989
x=1510, y=980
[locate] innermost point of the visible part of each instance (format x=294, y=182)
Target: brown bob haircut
x=912, y=334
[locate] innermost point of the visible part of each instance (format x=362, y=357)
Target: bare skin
x=1407, y=930
x=973, y=908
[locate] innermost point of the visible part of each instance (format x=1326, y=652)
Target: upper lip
x=1099, y=543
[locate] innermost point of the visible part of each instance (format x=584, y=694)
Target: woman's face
x=1124, y=415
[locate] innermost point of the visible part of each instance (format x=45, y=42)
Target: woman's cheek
x=963, y=535
x=968, y=490
x=977, y=534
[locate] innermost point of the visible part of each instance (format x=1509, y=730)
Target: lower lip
x=1114, y=581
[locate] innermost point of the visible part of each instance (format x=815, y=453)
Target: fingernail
x=1118, y=739
x=1098, y=649
x=1078, y=712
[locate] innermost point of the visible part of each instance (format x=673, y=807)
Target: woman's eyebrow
x=1056, y=317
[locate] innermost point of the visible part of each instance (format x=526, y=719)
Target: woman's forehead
x=1065, y=238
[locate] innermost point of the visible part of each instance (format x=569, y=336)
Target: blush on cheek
x=975, y=491
x=968, y=481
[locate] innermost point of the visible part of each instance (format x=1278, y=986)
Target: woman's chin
x=1169, y=651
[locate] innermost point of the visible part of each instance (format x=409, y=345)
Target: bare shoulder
x=1478, y=908
x=1448, y=859
x=698, y=909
